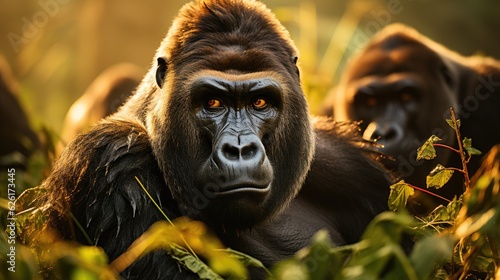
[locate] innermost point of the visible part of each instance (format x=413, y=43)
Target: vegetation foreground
x=458, y=241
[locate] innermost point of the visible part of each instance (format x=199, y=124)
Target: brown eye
x=371, y=102
x=259, y=103
x=406, y=97
x=213, y=103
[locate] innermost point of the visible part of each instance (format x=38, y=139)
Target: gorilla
x=219, y=131
x=102, y=98
x=401, y=86
x=18, y=141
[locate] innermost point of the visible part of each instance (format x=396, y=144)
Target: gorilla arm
x=95, y=180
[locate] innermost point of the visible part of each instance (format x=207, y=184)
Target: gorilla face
x=230, y=125
x=237, y=115
x=400, y=89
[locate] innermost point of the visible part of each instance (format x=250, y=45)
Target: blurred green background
x=57, y=47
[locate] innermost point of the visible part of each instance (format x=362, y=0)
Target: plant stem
x=429, y=192
x=166, y=217
x=447, y=147
x=454, y=169
x=461, y=149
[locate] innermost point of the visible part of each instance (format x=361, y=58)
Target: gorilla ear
x=161, y=71
x=295, y=58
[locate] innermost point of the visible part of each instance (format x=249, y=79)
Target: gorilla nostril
x=249, y=151
x=390, y=135
x=231, y=152
x=234, y=153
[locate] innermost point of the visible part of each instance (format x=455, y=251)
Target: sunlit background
x=57, y=47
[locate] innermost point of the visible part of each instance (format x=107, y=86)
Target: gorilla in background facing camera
x=401, y=86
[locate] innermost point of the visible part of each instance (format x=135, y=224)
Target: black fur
x=159, y=136
x=402, y=84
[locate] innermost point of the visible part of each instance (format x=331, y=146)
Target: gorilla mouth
x=244, y=188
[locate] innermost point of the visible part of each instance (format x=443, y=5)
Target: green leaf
x=428, y=253
x=388, y=225
x=468, y=147
x=438, y=177
x=379, y=254
x=400, y=192
x=446, y=213
x=427, y=150
x=313, y=262
x=193, y=264
x=290, y=269
x=317, y=259
x=245, y=259
x=450, y=123
x=467, y=142
x=473, y=151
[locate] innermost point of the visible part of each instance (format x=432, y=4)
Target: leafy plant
x=184, y=239
x=474, y=233
x=460, y=240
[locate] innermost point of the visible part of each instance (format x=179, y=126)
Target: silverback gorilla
x=219, y=131
x=401, y=85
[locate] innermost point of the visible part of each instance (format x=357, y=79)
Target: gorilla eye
x=213, y=104
x=406, y=97
x=371, y=102
x=259, y=103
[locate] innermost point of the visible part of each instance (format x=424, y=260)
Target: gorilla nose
x=387, y=134
x=243, y=147
x=241, y=165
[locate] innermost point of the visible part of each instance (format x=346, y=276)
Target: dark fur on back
x=196, y=45
x=157, y=138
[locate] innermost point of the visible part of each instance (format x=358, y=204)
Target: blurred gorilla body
x=401, y=86
x=219, y=131
x=102, y=98
x=16, y=134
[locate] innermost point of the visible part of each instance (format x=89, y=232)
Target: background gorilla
x=102, y=98
x=401, y=85
x=218, y=130
x=16, y=135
